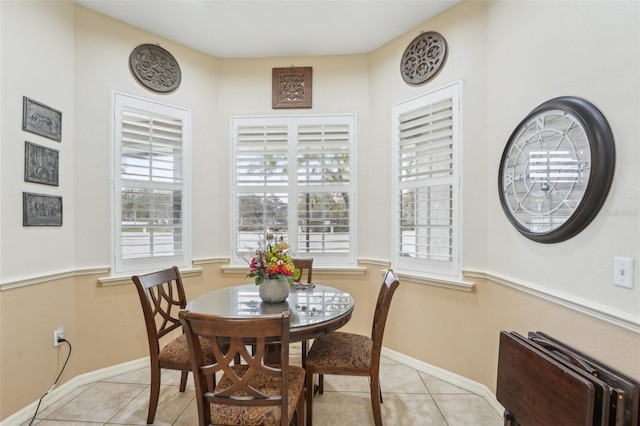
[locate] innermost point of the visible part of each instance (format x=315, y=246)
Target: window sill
x=122, y=280
x=317, y=270
x=452, y=283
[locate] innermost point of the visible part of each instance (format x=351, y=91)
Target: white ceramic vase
x=274, y=291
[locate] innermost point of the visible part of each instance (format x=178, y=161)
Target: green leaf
x=296, y=274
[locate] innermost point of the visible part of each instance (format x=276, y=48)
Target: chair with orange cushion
x=351, y=354
x=162, y=296
x=248, y=393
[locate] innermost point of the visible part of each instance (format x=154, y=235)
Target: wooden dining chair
x=249, y=393
x=350, y=354
x=162, y=297
x=305, y=266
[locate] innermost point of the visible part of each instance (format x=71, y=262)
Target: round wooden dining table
x=315, y=310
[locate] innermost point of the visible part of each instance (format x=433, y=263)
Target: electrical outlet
x=57, y=336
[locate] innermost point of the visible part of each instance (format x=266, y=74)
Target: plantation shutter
x=262, y=168
x=324, y=177
x=151, y=184
x=294, y=175
x=426, y=184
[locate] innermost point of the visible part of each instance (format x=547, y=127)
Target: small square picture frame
x=40, y=119
x=292, y=87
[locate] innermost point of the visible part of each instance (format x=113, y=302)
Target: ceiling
x=266, y=28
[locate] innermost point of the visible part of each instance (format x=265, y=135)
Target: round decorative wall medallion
x=423, y=58
x=155, y=68
x=556, y=169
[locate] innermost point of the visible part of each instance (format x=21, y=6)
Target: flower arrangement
x=271, y=260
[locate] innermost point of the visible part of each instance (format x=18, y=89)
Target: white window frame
x=287, y=182
x=147, y=262
x=425, y=173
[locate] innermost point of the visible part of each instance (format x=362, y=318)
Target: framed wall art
x=423, y=58
x=41, y=164
x=155, y=68
x=556, y=169
x=291, y=87
x=41, y=120
x=41, y=210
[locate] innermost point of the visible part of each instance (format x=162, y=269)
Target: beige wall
x=494, y=51
x=340, y=85
x=459, y=331
x=102, y=48
x=453, y=330
x=464, y=29
x=42, y=69
x=587, y=49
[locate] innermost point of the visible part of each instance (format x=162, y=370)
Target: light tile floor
x=411, y=398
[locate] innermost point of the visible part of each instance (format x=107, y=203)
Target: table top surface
x=308, y=305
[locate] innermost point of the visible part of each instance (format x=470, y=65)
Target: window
x=295, y=176
x=426, y=146
x=151, y=198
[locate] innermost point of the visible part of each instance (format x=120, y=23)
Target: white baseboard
x=447, y=376
x=66, y=388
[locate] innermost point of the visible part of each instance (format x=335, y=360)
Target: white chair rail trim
x=594, y=310
x=122, y=280
x=23, y=282
x=589, y=308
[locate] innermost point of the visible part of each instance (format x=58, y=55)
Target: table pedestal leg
x=272, y=353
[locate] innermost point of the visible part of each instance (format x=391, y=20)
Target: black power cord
x=54, y=383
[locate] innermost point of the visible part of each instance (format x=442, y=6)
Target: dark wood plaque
x=292, y=87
